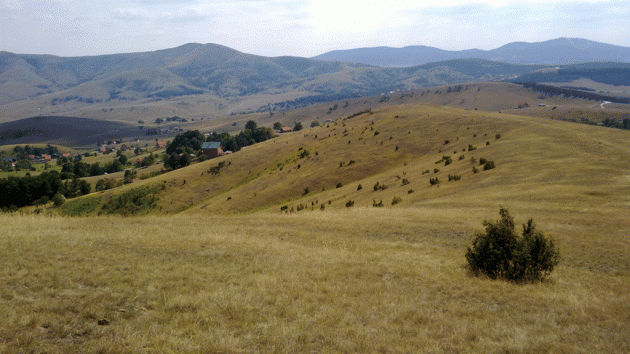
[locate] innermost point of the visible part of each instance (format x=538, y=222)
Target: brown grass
x=361, y=280
x=233, y=274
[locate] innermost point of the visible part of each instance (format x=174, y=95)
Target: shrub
x=498, y=136
x=471, y=148
x=42, y=201
x=359, y=187
x=339, y=185
x=396, y=200
x=488, y=165
x=405, y=182
x=454, y=177
x=501, y=253
x=433, y=181
x=379, y=187
x=304, y=153
x=58, y=199
x=349, y=203
x=375, y=204
x=137, y=201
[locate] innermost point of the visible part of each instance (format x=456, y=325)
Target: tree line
x=17, y=192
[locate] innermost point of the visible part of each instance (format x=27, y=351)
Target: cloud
x=304, y=28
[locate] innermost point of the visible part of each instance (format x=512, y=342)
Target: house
x=211, y=149
x=160, y=144
x=286, y=130
x=523, y=105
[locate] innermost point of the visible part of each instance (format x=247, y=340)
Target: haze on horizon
x=300, y=27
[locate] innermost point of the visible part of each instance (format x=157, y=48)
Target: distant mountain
x=218, y=72
x=131, y=87
x=559, y=51
x=188, y=69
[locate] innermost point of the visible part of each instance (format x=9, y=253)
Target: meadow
x=361, y=280
x=219, y=265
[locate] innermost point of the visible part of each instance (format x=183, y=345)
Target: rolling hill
x=202, y=80
x=68, y=131
x=333, y=239
x=560, y=51
x=208, y=80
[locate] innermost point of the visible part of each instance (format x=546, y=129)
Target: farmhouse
x=160, y=144
x=211, y=149
x=286, y=130
x=523, y=105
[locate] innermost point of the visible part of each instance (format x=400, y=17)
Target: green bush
x=58, y=199
x=137, y=201
x=501, y=253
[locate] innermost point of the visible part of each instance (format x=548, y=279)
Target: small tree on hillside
x=501, y=253
x=251, y=125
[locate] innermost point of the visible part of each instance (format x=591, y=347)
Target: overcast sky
x=300, y=27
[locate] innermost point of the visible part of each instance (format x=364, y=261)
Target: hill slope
x=199, y=80
x=67, y=131
x=232, y=272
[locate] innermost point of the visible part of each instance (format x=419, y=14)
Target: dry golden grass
x=359, y=280
x=232, y=274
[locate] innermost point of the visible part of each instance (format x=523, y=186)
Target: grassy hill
x=67, y=131
x=205, y=80
x=560, y=172
x=231, y=272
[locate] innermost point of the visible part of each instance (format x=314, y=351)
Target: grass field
x=359, y=280
x=227, y=272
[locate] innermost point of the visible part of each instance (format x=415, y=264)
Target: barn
x=211, y=149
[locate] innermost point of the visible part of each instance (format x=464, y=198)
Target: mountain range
x=560, y=51
x=223, y=81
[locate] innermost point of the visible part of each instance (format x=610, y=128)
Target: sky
x=300, y=27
